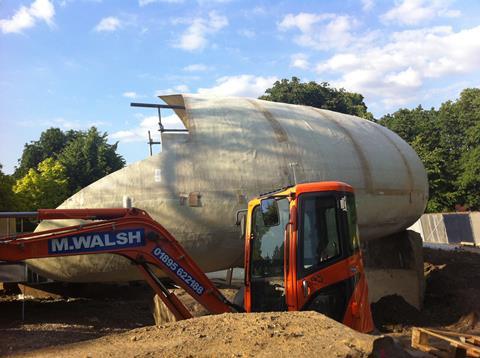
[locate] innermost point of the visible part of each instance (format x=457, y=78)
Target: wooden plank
x=461, y=345
x=474, y=340
x=455, y=334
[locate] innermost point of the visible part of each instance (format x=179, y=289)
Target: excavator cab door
x=329, y=273
x=265, y=290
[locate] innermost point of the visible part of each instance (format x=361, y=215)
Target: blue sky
x=77, y=63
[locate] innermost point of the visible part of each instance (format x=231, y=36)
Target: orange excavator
x=301, y=253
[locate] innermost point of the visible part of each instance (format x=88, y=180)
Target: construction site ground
x=120, y=323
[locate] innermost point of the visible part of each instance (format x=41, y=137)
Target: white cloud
x=182, y=88
x=43, y=10
x=304, y=21
x=367, y=5
x=174, y=90
x=247, y=33
x=196, y=67
x=339, y=62
x=259, y=10
x=299, y=60
x=406, y=78
x=76, y=124
x=242, y=86
x=397, y=71
x=27, y=17
x=130, y=94
x=212, y=2
x=413, y=12
x=195, y=36
x=108, y=24
x=207, y=2
x=320, y=31
x=65, y=124
x=140, y=132
x=148, y=2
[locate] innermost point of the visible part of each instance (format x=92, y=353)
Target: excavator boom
x=131, y=233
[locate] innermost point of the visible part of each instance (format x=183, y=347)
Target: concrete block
x=394, y=265
x=475, y=223
x=386, y=282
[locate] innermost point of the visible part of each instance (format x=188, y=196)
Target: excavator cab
x=302, y=253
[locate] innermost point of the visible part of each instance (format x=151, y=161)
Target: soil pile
x=451, y=296
x=393, y=314
x=238, y=335
x=453, y=286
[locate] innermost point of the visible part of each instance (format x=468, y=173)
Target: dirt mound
x=469, y=323
x=453, y=286
x=393, y=313
x=238, y=335
x=451, y=296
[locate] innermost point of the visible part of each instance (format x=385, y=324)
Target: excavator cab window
x=267, y=263
x=319, y=232
x=270, y=212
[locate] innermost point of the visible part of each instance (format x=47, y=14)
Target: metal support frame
x=161, y=127
x=151, y=142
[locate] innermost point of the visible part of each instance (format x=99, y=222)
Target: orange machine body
x=335, y=286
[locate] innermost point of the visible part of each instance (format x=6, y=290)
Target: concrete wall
x=475, y=222
x=394, y=266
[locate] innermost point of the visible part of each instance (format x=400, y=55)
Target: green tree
x=448, y=143
x=88, y=158
x=50, y=145
x=422, y=130
x=317, y=95
x=468, y=181
x=85, y=155
x=408, y=123
x=8, y=200
x=45, y=187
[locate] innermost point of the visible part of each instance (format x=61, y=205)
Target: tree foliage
x=45, y=187
x=448, y=142
x=50, y=145
x=8, y=200
x=317, y=95
x=88, y=158
x=70, y=160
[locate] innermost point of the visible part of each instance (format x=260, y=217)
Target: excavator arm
x=131, y=233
